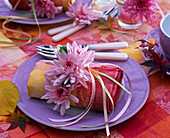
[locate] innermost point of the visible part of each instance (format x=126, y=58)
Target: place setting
x=60, y=12
x=27, y=104
x=59, y=17
x=88, y=86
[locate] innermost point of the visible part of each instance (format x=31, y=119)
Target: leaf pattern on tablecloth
x=3, y=132
x=164, y=102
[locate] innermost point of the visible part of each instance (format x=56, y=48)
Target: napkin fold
x=37, y=80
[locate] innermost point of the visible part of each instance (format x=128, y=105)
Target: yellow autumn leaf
x=152, y=41
x=109, y=21
x=132, y=51
x=9, y=97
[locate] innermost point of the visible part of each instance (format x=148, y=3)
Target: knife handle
x=67, y=32
x=108, y=46
x=59, y=29
x=111, y=56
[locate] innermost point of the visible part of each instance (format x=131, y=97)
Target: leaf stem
x=117, y=30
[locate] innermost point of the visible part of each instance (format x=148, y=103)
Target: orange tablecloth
x=151, y=121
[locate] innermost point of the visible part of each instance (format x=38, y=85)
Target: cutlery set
x=49, y=51
x=61, y=32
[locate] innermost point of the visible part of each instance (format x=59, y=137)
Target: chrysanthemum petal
x=67, y=104
x=55, y=107
x=73, y=98
x=62, y=109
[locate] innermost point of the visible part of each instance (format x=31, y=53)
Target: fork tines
x=114, y=11
x=47, y=55
x=47, y=52
x=46, y=48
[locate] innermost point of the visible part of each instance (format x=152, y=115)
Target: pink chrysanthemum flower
x=60, y=96
x=70, y=66
x=140, y=9
x=66, y=74
x=82, y=14
x=45, y=8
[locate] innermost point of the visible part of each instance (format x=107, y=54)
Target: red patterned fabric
x=152, y=121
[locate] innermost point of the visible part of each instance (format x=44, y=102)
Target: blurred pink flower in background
x=82, y=14
x=140, y=9
x=45, y=8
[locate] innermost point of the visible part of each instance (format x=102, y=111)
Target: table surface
x=151, y=121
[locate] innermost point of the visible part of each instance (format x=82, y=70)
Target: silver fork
x=114, y=11
x=49, y=52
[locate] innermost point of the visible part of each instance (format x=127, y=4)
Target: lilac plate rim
x=37, y=57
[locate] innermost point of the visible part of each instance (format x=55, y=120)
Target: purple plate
x=5, y=10
x=40, y=111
